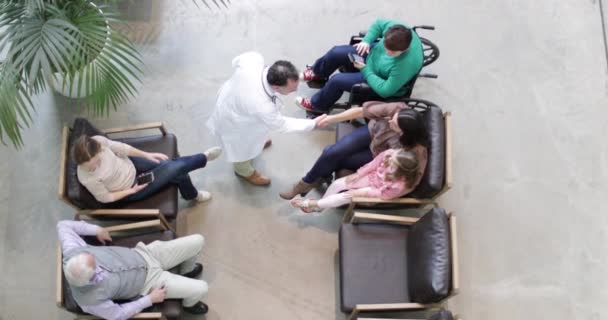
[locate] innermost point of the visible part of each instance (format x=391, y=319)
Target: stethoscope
x=272, y=97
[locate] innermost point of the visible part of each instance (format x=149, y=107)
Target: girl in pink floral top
x=392, y=174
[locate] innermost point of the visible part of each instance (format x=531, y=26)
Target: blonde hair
x=407, y=166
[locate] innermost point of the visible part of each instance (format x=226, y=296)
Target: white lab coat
x=244, y=113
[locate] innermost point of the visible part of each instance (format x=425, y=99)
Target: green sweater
x=386, y=75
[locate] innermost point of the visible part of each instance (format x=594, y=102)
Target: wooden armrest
x=141, y=315
x=448, y=149
x=384, y=307
x=454, y=247
x=128, y=213
x=375, y=217
x=59, y=280
x=63, y=160
x=143, y=126
x=121, y=212
x=136, y=225
x=395, y=201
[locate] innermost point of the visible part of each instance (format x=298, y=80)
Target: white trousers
x=164, y=255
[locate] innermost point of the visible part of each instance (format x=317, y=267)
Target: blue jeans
x=173, y=171
x=335, y=58
x=350, y=152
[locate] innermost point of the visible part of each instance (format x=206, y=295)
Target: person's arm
x=377, y=29
x=113, y=311
x=388, y=87
x=350, y=114
x=389, y=191
x=69, y=233
x=103, y=195
x=375, y=110
x=275, y=121
x=118, y=195
x=124, y=150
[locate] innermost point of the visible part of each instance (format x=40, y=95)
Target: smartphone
x=145, y=178
x=355, y=58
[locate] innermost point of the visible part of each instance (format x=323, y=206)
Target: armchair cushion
x=373, y=264
x=171, y=309
x=166, y=200
x=429, y=257
x=434, y=175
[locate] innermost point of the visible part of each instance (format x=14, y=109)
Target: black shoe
x=198, y=308
x=196, y=271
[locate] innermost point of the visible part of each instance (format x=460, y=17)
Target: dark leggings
x=350, y=152
x=168, y=172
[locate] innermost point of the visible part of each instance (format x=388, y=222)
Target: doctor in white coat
x=247, y=111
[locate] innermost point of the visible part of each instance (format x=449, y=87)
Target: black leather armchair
x=77, y=196
x=395, y=263
x=125, y=235
x=437, y=178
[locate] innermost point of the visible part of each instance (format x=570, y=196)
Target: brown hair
x=84, y=149
x=407, y=166
x=397, y=38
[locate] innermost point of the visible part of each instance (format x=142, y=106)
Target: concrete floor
x=525, y=80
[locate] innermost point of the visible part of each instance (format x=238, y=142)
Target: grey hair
x=77, y=271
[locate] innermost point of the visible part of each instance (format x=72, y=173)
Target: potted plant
x=73, y=45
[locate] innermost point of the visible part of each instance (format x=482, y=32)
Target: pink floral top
x=385, y=189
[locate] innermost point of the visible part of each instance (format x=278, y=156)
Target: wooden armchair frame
x=358, y=217
x=159, y=223
x=447, y=184
x=65, y=154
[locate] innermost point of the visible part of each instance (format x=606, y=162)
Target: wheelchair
x=362, y=92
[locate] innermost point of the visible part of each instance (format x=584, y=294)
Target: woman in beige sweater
x=108, y=169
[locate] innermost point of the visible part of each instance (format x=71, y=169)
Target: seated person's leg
x=180, y=287
x=332, y=60
x=348, y=145
x=333, y=90
x=182, y=251
x=166, y=172
x=356, y=160
x=143, y=165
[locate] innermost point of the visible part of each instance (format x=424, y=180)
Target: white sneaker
x=203, y=196
x=212, y=153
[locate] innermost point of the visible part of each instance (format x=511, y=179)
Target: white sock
x=212, y=153
x=203, y=196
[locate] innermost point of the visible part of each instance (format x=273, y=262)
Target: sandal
x=305, y=205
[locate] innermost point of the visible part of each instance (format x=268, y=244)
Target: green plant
x=73, y=40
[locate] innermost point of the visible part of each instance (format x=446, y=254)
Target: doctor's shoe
x=198, y=308
x=309, y=75
x=305, y=104
x=212, y=153
x=301, y=188
x=256, y=179
x=203, y=196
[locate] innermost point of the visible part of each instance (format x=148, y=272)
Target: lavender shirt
x=69, y=235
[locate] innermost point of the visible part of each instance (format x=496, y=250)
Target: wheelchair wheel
x=429, y=50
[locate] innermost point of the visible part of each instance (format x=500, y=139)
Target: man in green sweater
x=389, y=65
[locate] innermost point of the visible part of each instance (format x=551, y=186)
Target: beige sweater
x=115, y=172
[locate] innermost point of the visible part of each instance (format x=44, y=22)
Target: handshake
x=323, y=121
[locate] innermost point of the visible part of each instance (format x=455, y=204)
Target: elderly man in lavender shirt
x=100, y=274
